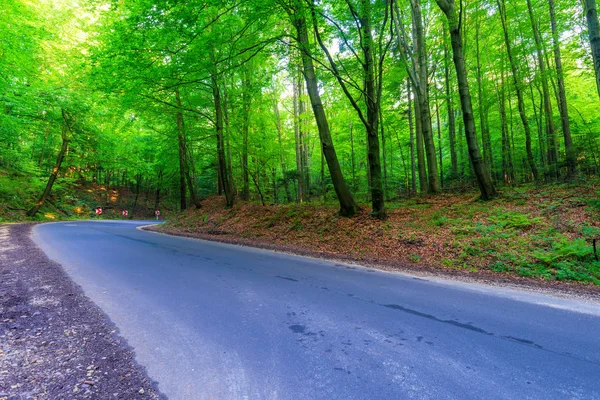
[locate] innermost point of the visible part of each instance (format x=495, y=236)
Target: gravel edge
x=55, y=343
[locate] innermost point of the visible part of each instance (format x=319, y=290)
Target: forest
x=283, y=101
x=361, y=104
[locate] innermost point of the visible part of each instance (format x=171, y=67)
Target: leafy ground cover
x=543, y=232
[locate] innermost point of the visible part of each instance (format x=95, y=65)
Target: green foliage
x=513, y=220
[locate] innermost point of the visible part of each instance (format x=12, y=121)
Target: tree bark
x=225, y=177
x=279, y=128
x=181, y=147
x=591, y=15
x=518, y=90
x=479, y=168
x=246, y=104
x=571, y=156
x=422, y=90
x=187, y=156
x=548, y=118
x=298, y=138
x=59, y=159
x=413, y=165
x=451, y=117
x=347, y=205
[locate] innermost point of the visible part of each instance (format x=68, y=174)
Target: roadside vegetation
x=543, y=233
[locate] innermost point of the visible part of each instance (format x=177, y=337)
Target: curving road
x=216, y=321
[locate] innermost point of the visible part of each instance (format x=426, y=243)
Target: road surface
x=216, y=321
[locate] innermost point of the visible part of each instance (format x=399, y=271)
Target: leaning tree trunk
x=347, y=205
x=591, y=14
x=61, y=155
x=479, y=168
x=562, y=96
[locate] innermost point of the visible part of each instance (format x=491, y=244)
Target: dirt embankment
x=512, y=240
x=54, y=342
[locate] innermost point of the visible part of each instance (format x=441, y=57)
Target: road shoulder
x=54, y=341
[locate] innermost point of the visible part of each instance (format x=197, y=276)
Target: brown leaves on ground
x=452, y=232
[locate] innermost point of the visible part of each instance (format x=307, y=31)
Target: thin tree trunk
x=439, y=132
x=181, y=147
x=451, y=116
x=298, y=139
x=413, y=165
x=485, y=133
x=286, y=184
x=562, y=97
x=422, y=91
x=222, y=160
x=384, y=154
x=157, y=198
x=246, y=104
x=548, y=118
x=518, y=90
x=188, y=160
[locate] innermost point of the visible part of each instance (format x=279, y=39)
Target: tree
x=481, y=172
x=298, y=19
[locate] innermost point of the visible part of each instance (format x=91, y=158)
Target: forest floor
x=534, y=236
x=68, y=200
x=54, y=342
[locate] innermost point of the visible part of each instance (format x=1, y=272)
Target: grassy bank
x=543, y=233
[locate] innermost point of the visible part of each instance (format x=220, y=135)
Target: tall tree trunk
x=352, y=156
x=562, y=97
x=225, y=177
x=384, y=154
x=157, y=198
x=485, y=133
x=181, y=147
x=518, y=90
x=347, y=205
x=439, y=132
x=548, y=118
x=246, y=104
x=188, y=160
x=413, y=165
x=226, y=105
x=479, y=168
x=591, y=15
x=298, y=138
x=286, y=184
x=451, y=116
x=59, y=159
x=422, y=91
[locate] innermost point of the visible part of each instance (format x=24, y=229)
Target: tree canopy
x=354, y=101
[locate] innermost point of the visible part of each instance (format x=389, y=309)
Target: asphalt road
x=216, y=321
